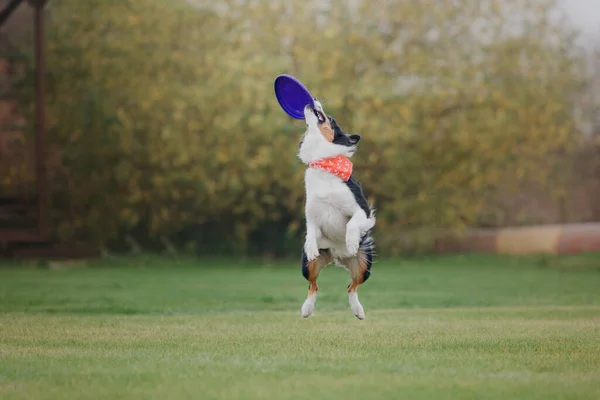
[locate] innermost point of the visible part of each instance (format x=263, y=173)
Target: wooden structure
x=23, y=219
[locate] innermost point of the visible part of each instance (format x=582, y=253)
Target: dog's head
x=323, y=137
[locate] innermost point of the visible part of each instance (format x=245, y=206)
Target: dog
x=339, y=219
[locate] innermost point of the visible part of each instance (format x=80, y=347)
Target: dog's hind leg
x=359, y=267
x=311, y=270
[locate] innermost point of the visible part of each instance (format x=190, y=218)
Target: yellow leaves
x=223, y=156
x=129, y=216
x=329, y=31
x=405, y=112
x=377, y=103
x=353, y=38
x=133, y=20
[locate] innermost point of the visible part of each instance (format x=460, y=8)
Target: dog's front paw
x=312, y=250
x=367, y=226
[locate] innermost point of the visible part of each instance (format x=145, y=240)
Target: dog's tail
x=367, y=244
x=366, y=250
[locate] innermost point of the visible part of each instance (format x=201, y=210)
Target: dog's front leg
x=311, y=246
x=355, y=228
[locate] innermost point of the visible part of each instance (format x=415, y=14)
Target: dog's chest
x=329, y=201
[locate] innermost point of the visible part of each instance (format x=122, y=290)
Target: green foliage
x=164, y=114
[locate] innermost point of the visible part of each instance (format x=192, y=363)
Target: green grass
x=437, y=328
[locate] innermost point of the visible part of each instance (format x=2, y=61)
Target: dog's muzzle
x=321, y=118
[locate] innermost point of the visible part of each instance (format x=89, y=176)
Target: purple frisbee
x=292, y=95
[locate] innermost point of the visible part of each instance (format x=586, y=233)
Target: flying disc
x=292, y=95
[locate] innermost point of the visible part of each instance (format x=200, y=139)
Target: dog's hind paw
x=309, y=305
x=355, y=306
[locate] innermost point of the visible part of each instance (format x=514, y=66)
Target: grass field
x=439, y=328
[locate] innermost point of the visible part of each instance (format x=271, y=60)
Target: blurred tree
x=588, y=116
x=165, y=116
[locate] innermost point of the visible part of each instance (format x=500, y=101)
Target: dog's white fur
x=334, y=220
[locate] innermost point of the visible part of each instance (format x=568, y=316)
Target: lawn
x=461, y=327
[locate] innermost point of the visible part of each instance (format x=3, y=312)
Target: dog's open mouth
x=320, y=115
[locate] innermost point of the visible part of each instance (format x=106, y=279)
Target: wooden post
x=40, y=115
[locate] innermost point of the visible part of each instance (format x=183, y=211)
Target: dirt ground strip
x=552, y=239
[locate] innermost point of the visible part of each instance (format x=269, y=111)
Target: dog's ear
x=354, y=139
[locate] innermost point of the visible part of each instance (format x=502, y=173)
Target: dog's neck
x=313, y=147
x=340, y=166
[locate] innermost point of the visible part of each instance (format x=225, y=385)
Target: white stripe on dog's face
x=311, y=119
x=317, y=121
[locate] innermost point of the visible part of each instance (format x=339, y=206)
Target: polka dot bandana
x=340, y=166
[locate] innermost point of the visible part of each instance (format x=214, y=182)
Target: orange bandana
x=340, y=166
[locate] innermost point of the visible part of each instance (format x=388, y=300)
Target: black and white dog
x=339, y=219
